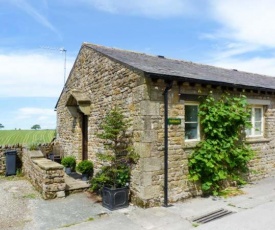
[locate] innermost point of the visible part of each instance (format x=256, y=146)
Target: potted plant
x=114, y=177
x=69, y=163
x=85, y=167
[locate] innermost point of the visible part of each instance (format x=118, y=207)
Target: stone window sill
x=190, y=144
x=257, y=140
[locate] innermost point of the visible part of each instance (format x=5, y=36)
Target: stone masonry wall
x=263, y=164
x=45, y=175
x=151, y=124
x=3, y=149
x=107, y=84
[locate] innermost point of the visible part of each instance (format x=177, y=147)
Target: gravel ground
x=16, y=196
x=22, y=208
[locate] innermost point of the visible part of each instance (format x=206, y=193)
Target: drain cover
x=212, y=216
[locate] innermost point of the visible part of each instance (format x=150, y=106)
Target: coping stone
x=47, y=164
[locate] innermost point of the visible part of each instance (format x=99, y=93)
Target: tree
x=1, y=126
x=35, y=127
x=119, y=154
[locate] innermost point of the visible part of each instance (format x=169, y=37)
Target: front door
x=84, y=137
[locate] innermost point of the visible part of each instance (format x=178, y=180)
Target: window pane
x=248, y=132
x=191, y=113
x=250, y=115
x=191, y=131
x=258, y=128
x=258, y=114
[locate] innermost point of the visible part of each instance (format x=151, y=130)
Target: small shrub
x=33, y=146
x=85, y=167
x=105, y=177
x=69, y=162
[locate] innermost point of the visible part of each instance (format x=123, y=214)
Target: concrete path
x=253, y=210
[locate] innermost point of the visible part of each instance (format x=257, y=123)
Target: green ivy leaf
x=222, y=154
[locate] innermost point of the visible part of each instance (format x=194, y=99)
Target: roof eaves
x=207, y=82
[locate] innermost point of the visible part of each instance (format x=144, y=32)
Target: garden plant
x=69, y=162
x=222, y=155
x=119, y=155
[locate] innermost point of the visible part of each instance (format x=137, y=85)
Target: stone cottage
x=151, y=90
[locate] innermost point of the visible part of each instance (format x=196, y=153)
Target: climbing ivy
x=222, y=155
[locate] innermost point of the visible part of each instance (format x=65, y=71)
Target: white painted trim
x=198, y=121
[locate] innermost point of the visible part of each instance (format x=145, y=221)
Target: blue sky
x=232, y=34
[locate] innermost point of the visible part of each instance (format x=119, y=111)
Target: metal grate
x=212, y=216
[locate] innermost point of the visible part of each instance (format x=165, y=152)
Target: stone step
x=74, y=183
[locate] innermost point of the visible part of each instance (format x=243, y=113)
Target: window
x=256, y=119
x=191, y=122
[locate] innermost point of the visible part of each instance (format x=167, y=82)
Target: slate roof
x=186, y=71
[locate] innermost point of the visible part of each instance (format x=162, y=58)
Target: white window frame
x=253, y=130
x=198, y=121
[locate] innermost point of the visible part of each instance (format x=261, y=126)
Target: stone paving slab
x=74, y=183
x=158, y=218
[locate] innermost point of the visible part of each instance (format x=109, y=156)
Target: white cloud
x=28, y=116
x=32, y=74
x=156, y=8
x=250, y=21
x=245, y=38
x=35, y=14
x=233, y=49
x=254, y=65
x=30, y=112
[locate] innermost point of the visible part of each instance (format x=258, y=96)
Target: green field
x=25, y=137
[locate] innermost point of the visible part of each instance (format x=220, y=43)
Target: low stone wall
x=46, y=149
x=18, y=148
x=45, y=175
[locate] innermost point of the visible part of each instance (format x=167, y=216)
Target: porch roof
x=78, y=100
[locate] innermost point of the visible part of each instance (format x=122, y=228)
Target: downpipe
x=165, y=94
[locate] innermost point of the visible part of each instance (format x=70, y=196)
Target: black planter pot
x=115, y=198
x=85, y=176
x=68, y=170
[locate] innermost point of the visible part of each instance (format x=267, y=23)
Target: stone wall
x=3, y=149
x=46, y=149
x=45, y=175
x=107, y=84
x=263, y=164
x=150, y=171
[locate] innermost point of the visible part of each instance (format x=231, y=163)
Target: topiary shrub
x=85, y=167
x=69, y=162
x=119, y=155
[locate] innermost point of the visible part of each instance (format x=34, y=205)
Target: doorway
x=84, y=137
